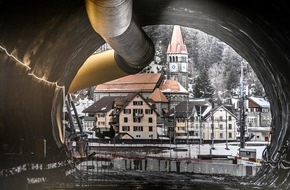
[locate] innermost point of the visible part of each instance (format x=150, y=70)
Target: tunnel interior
x=44, y=44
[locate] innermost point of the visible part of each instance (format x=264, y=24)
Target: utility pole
x=174, y=126
x=187, y=121
x=212, y=131
x=227, y=147
x=242, y=112
x=200, y=124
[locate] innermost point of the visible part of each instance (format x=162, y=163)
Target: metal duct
x=113, y=20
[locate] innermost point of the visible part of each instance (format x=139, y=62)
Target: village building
x=184, y=121
x=258, y=118
x=100, y=111
x=220, y=125
x=144, y=83
x=164, y=92
x=137, y=118
x=131, y=116
x=174, y=92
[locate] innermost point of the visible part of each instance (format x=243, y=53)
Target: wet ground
x=162, y=181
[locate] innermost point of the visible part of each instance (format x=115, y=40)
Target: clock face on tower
x=183, y=67
x=173, y=67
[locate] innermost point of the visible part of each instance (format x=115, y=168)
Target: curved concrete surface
x=54, y=39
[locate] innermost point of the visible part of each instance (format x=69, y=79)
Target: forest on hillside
x=222, y=63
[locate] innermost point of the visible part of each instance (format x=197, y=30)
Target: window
x=150, y=136
x=138, y=128
x=150, y=128
x=221, y=135
x=137, y=103
x=125, y=119
x=138, y=112
x=101, y=123
x=230, y=118
x=265, y=110
x=101, y=115
x=230, y=135
x=137, y=120
x=221, y=118
x=150, y=120
x=181, y=128
x=138, y=136
x=230, y=127
x=148, y=111
x=126, y=128
x=127, y=111
x=221, y=127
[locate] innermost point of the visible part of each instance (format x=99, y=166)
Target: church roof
x=176, y=45
x=172, y=86
x=141, y=82
x=158, y=96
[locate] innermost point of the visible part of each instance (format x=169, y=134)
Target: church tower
x=177, y=58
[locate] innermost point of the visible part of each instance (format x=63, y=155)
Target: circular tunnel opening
x=55, y=39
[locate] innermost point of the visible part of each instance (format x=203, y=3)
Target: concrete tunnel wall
x=55, y=38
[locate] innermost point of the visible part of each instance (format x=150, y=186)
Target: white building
x=221, y=123
x=258, y=119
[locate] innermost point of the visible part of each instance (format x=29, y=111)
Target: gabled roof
x=182, y=110
x=172, y=86
x=219, y=107
x=141, y=82
x=103, y=105
x=260, y=102
x=176, y=45
x=200, y=109
x=158, y=96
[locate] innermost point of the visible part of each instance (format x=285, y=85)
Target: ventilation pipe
x=113, y=20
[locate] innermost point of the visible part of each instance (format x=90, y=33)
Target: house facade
x=220, y=125
x=101, y=111
x=258, y=119
x=185, y=121
x=131, y=116
x=138, y=119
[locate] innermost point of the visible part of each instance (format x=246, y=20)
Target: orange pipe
x=97, y=69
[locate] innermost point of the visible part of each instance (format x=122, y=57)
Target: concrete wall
x=152, y=165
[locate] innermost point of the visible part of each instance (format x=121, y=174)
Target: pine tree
x=232, y=80
x=202, y=87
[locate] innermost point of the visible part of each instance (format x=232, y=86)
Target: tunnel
x=43, y=44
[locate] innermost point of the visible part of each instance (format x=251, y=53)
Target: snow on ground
x=181, y=150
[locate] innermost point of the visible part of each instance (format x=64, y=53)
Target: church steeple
x=177, y=58
x=176, y=45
